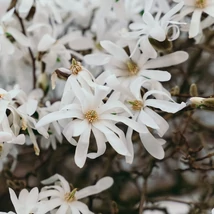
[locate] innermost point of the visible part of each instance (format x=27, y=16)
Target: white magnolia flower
x=80, y=75
x=128, y=69
x=27, y=202
x=145, y=115
x=196, y=7
x=66, y=199
x=89, y=113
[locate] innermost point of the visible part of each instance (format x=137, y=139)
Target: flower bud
x=193, y=90
x=175, y=90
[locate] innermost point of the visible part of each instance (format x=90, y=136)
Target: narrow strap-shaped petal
x=147, y=120
x=209, y=10
x=48, y=193
x=166, y=106
x=5, y=136
x=58, y=115
x=161, y=76
x=101, y=143
x=113, y=139
x=101, y=185
x=54, y=178
x=63, y=209
x=46, y=42
x=115, y=50
x=160, y=121
x=46, y=206
x=152, y=145
x=167, y=60
x=82, y=148
x=129, y=122
x=195, y=23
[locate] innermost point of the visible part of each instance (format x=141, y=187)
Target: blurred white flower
x=196, y=7
x=27, y=202
x=62, y=196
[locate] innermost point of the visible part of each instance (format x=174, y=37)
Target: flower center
x=132, y=67
x=136, y=105
x=91, y=116
x=76, y=67
x=1, y=96
x=70, y=196
x=200, y=3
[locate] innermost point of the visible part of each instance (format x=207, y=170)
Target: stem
x=143, y=196
x=29, y=50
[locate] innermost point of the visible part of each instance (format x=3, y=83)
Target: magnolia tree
x=111, y=96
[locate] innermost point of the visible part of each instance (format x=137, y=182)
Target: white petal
x=101, y=144
x=46, y=42
x=101, y=185
x=167, y=60
x=79, y=208
x=8, y=15
x=81, y=43
x=3, y=108
x=97, y=59
x=25, y=6
x=115, y=50
x=209, y=10
x=19, y=37
x=45, y=206
x=152, y=145
x=31, y=106
x=137, y=26
x=56, y=177
x=161, y=76
x=161, y=122
x=5, y=136
x=129, y=122
x=58, y=116
x=147, y=120
x=166, y=106
x=113, y=139
x=148, y=19
x=20, y=139
x=82, y=148
x=147, y=48
x=63, y=209
x=195, y=23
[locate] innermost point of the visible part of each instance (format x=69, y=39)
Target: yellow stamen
x=76, y=67
x=24, y=124
x=70, y=196
x=136, y=105
x=200, y=3
x=91, y=116
x=132, y=67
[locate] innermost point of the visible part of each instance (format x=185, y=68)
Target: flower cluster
x=111, y=58
x=58, y=198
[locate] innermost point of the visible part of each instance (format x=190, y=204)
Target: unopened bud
x=175, y=90
x=193, y=90
x=42, y=81
x=196, y=101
